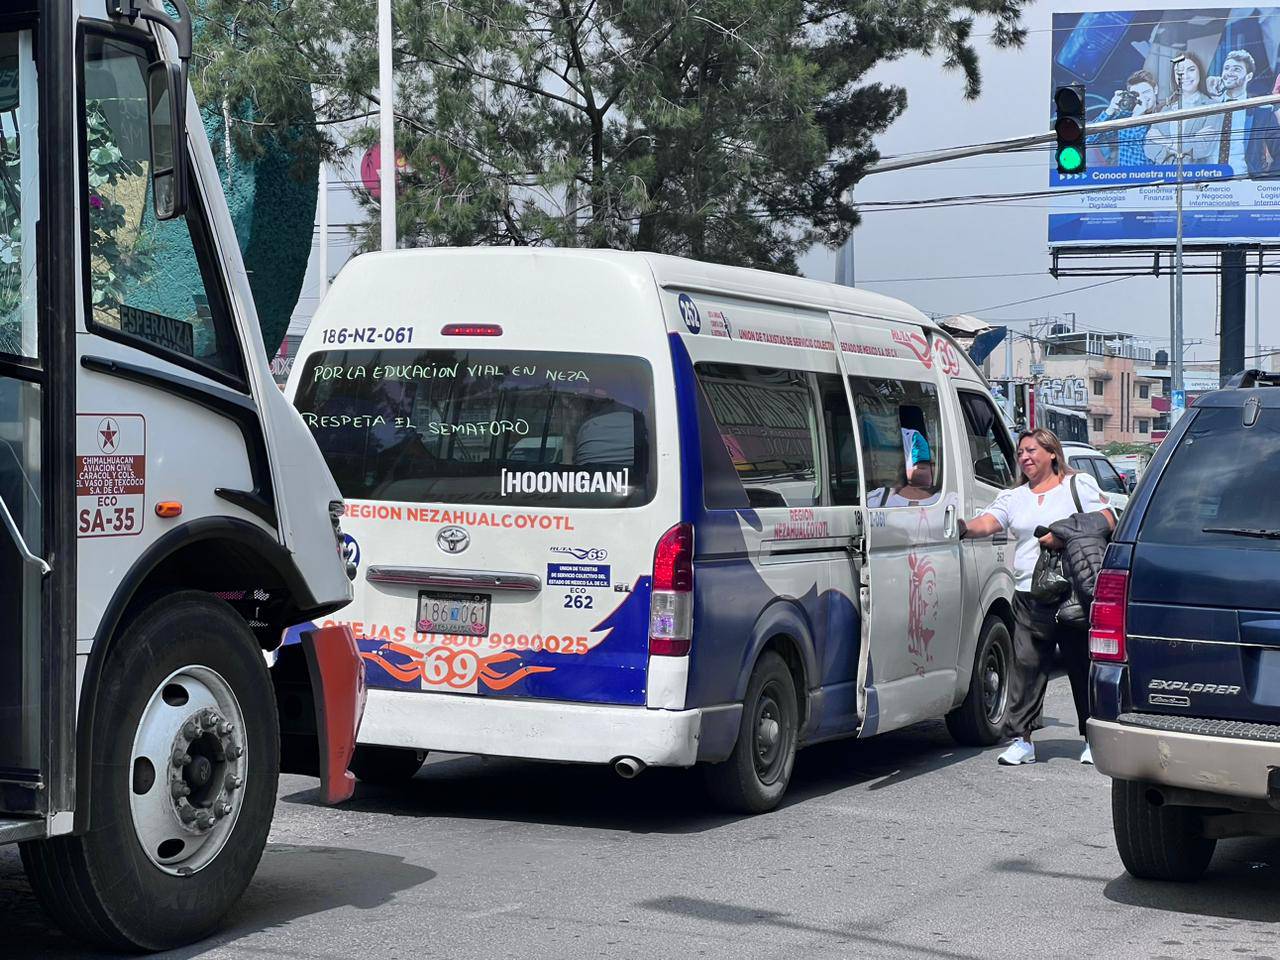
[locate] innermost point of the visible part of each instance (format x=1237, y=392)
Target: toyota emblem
x=453, y=539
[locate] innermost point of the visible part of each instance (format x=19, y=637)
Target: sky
x=894, y=249
x=1003, y=248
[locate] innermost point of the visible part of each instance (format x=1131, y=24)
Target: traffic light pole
x=1038, y=139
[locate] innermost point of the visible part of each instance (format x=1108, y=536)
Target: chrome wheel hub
x=188, y=769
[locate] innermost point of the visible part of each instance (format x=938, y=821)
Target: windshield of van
x=1219, y=486
x=506, y=427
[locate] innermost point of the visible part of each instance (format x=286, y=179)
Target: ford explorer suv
x=1185, y=639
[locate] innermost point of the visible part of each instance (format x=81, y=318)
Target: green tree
x=726, y=130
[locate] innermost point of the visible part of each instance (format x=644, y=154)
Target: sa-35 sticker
x=111, y=474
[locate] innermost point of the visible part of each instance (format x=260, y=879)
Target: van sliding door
x=909, y=576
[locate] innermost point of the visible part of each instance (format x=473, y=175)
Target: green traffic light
x=1070, y=159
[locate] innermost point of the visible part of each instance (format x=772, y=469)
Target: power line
x=1047, y=296
x=970, y=276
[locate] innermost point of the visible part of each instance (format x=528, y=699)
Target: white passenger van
x=609, y=508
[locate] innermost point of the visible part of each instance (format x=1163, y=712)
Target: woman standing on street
x=1042, y=497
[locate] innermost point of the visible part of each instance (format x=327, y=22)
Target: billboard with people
x=1146, y=63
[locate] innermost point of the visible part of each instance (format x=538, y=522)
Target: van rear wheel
x=756, y=775
x=386, y=766
x=1156, y=841
x=979, y=720
x=183, y=783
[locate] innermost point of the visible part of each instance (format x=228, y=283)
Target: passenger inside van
x=918, y=481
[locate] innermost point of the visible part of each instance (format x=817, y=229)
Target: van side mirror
x=166, y=102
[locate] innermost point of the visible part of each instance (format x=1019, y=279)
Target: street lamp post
x=386, y=116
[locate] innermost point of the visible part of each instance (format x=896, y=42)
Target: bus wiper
x=1262, y=533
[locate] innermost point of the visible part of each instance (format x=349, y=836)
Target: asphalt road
x=901, y=846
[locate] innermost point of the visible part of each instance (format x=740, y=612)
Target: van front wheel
x=979, y=720
x=756, y=775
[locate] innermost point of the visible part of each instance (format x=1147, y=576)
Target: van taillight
x=471, y=330
x=671, y=602
x=1107, y=618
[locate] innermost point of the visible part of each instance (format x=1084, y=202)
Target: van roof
x=682, y=273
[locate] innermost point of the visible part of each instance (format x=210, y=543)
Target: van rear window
x=525, y=428
x=1219, y=487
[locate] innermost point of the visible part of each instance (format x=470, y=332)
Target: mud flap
x=320, y=693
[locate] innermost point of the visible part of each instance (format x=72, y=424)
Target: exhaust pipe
x=628, y=768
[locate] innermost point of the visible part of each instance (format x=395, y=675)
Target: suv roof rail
x=1247, y=379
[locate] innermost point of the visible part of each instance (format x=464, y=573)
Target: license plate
x=462, y=614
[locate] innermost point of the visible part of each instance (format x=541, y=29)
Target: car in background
x=1185, y=640
x=1091, y=462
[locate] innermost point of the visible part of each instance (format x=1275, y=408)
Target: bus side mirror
x=166, y=101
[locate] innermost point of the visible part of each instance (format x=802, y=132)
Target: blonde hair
x=1047, y=440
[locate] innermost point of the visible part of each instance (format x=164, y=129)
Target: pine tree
x=725, y=130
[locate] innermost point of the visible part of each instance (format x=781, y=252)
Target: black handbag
x=1049, y=582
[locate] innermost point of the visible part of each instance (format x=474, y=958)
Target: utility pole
x=1009, y=404
x=1176, y=333
x=386, y=118
x=1257, y=317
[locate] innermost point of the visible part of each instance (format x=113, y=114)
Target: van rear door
x=1204, y=598
x=503, y=507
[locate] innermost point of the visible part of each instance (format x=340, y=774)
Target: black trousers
x=1035, y=634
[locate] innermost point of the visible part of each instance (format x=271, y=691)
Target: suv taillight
x=1107, y=617
x=671, y=603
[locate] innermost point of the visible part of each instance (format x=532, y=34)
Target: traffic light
x=1068, y=124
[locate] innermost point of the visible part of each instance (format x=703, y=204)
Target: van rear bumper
x=547, y=730
x=1212, y=764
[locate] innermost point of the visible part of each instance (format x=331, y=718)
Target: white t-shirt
x=1019, y=512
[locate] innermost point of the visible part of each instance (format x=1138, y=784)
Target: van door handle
x=949, y=522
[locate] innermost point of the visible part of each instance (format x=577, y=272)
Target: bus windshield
x=483, y=426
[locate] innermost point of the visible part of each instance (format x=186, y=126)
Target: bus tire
x=386, y=766
x=979, y=720
x=756, y=775
x=1158, y=842
x=159, y=867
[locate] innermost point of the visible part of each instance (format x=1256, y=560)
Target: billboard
x=1125, y=60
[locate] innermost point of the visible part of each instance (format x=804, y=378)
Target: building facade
x=1105, y=379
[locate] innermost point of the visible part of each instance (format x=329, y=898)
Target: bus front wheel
x=183, y=783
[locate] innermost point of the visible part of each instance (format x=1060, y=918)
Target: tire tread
x=1157, y=842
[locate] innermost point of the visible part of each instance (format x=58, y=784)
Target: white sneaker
x=1019, y=752
x=1087, y=756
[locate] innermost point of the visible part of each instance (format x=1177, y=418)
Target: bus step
x=13, y=829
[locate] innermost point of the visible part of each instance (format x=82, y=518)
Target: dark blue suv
x=1185, y=680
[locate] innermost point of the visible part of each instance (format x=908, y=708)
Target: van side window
x=152, y=284
x=901, y=427
x=988, y=446
x=842, y=455
x=768, y=425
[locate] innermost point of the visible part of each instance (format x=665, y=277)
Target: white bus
x=612, y=508
x=164, y=514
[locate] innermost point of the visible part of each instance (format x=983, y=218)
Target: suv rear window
x=526, y=428
x=1223, y=476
